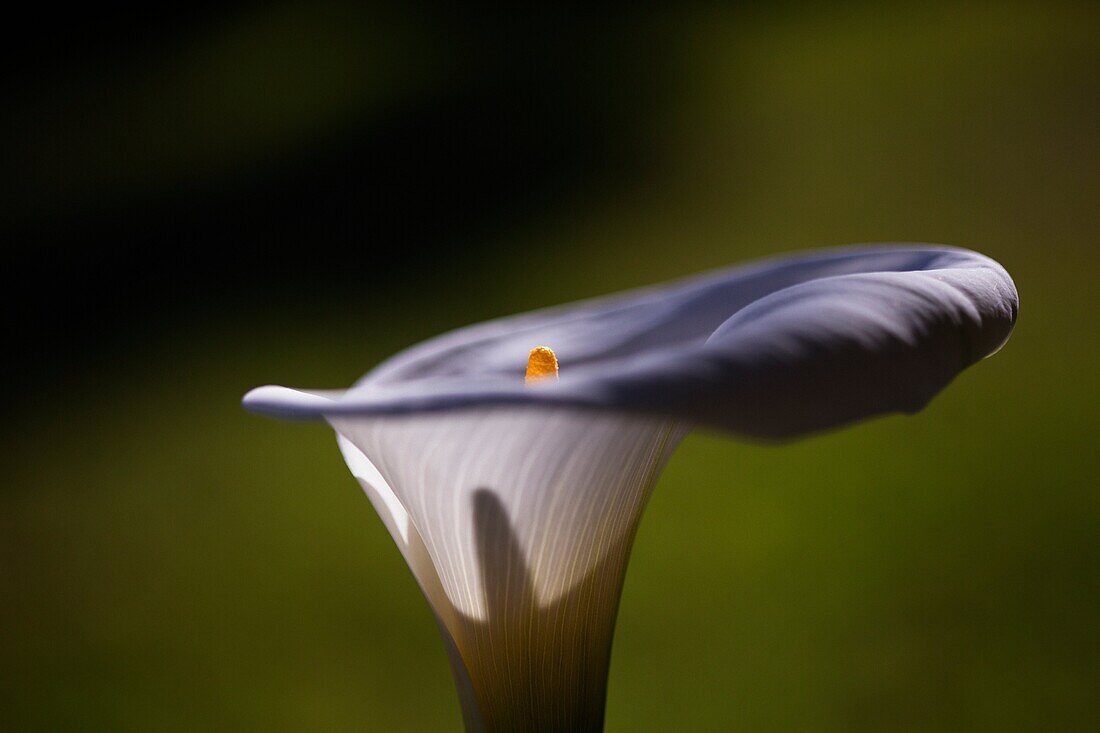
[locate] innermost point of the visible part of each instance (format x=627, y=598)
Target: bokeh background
x=201, y=200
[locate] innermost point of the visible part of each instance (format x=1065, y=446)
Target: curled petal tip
x=276, y=401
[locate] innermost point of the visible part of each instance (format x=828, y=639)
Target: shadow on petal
x=537, y=667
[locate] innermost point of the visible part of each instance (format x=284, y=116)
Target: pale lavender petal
x=771, y=350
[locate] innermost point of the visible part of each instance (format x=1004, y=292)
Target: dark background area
x=199, y=200
x=212, y=159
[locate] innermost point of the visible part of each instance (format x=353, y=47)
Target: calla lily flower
x=515, y=500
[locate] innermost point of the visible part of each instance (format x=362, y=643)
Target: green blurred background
x=211, y=199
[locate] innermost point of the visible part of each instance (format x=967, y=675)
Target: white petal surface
x=527, y=517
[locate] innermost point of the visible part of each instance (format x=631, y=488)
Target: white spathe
x=515, y=505
x=517, y=524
